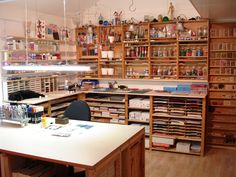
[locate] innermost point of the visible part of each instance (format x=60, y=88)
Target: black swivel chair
x=77, y=110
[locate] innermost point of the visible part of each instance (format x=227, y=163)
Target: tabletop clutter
x=21, y=113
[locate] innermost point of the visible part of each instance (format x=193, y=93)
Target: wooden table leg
x=118, y=166
x=90, y=173
x=5, y=166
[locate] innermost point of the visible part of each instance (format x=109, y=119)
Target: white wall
x=13, y=19
x=143, y=7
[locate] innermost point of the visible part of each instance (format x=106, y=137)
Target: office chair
x=77, y=110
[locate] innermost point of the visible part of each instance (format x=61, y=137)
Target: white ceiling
x=54, y=7
x=218, y=10
x=213, y=9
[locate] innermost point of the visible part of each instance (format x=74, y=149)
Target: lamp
x=66, y=68
x=30, y=67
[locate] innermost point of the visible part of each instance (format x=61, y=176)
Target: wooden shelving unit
x=152, y=51
x=221, y=124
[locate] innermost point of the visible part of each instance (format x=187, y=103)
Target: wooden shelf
x=197, y=57
x=219, y=98
x=176, y=137
x=178, y=117
x=146, y=109
x=194, y=61
x=223, y=58
x=60, y=106
x=223, y=106
x=223, y=50
x=118, y=112
x=196, y=44
x=161, y=58
x=103, y=100
x=223, y=37
x=223, y=121
x=220, y=82
x=107, y=117
x=89, y=57
x=192, y=41
x=218, y=90
x=174, y=150
x=138, y=121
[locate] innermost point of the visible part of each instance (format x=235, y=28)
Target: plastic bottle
x=43, y=121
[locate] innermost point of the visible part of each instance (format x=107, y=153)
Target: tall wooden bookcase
x=221, y=124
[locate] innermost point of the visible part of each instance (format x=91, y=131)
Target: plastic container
x=43, y=121
x=104, y=54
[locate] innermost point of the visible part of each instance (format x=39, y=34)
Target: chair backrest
x=78, y=110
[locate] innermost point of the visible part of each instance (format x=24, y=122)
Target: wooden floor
x=215, y=163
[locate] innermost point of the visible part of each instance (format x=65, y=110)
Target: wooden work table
x=93, y=149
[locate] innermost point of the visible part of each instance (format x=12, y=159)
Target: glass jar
x=164, y=52
x=194, y=52
x=159, y=71
x=153, y=33
x=159, y=53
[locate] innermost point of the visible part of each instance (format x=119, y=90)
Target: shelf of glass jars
x=137, y=72
x=136, y=61
x=193, y=70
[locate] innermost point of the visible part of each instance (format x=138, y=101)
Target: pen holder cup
x=35, y=117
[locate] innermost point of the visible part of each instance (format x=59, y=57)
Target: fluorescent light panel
x=46, y=68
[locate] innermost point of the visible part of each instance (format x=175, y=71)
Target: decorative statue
x=171, y=11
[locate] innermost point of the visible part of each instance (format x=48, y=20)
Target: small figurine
x=171, y=11
x=117, y=19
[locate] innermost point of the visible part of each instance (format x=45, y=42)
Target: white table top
x=85, y=147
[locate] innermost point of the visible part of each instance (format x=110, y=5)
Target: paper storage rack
x=178, y=124
x=107, y=107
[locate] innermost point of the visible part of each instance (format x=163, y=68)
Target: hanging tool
x=131, y=8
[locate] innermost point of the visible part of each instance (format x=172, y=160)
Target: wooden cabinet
x=149, y=51
x=178, y=124
x=107, y=107
x=222, y=85
x=172, y=123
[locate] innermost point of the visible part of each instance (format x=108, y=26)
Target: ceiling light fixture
x=5, y=1
x=66, y=68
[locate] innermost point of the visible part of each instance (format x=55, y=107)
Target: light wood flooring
x=215, y=163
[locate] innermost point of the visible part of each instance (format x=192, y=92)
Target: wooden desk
x=93, y=149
